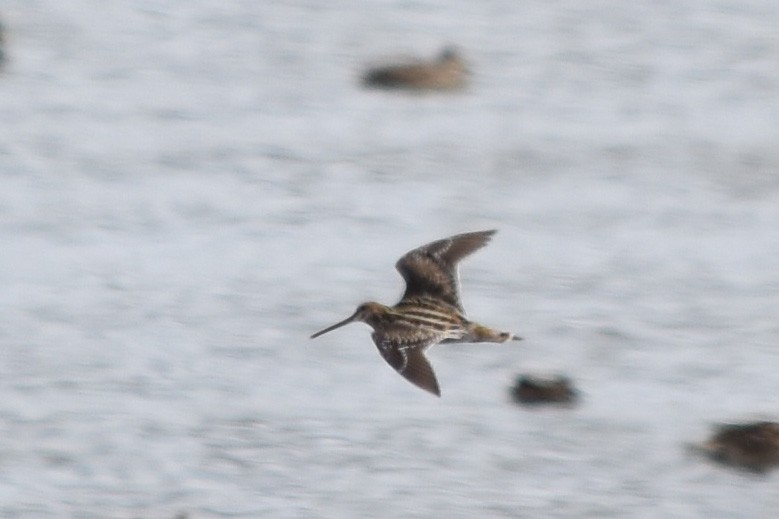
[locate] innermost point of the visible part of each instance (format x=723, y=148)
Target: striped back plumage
x=430, y=313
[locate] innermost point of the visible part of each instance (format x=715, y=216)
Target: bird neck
x=377, y=314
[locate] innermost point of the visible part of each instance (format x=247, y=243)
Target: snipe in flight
x=430, y=311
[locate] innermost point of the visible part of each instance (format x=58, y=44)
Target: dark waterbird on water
x=430, y=311
x=447, y=72
x=536, y=390
x=753, y=446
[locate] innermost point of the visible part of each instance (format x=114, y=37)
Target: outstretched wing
x=407, y=357
x=431, y=270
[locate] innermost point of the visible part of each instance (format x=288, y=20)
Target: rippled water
x=189, y=189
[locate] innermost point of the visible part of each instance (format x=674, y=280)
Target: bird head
x=364, y=313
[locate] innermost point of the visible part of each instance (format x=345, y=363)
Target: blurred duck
x=447, y=72
x=533, y=390
x=753, y=446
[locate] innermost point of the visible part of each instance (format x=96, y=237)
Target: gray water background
x=189, y=189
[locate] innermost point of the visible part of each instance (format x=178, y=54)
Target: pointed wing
x=407, y=357
x=431, y=270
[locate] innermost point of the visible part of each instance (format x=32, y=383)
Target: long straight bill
x=348, y=320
